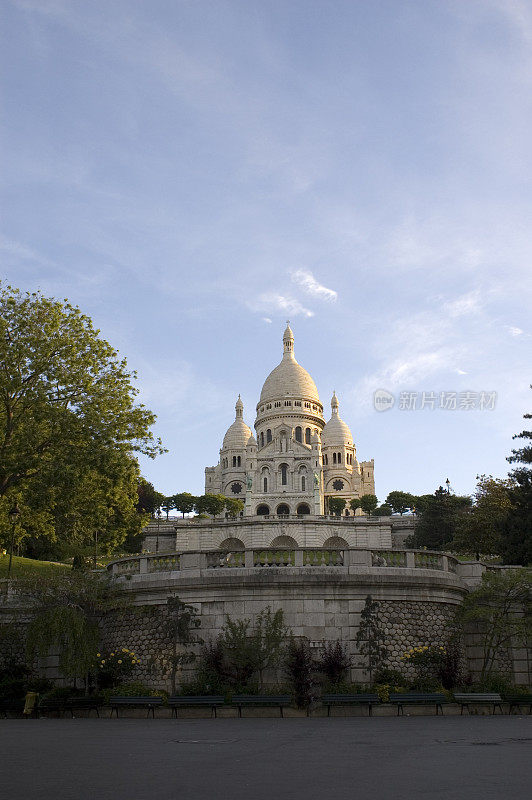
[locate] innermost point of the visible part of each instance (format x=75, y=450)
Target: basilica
x=296, y=461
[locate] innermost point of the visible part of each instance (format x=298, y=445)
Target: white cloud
x=310, y=285
x=514, y=331
x=267, y=319
x=465, y=304
x=271, y=301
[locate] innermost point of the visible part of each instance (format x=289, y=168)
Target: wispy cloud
x=465, y=304
x=513, y=331
x=310, y=285
x=271, y=301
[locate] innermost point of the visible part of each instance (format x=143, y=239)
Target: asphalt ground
x=272, y=759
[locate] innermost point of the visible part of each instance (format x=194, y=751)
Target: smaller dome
x=336, y=432
x=238, y=433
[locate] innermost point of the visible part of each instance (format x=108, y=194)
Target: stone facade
x=296, y=461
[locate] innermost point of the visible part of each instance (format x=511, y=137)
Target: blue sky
x=193, y=173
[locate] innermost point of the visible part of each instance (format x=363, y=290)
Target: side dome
x=336, y=432
x=289, y=379
x=237, y=435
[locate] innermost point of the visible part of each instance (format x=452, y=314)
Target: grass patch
x=22, y=567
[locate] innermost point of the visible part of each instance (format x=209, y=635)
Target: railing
x=274, y=558
x=389, y=558
x=222, y=559
x=164, y=563
x=428, y=560
x=323, y=558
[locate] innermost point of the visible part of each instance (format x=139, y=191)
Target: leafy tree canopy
x=479, y=528
x=401, y=501
x=336, y=505
x=516, y=545
x=439, y=515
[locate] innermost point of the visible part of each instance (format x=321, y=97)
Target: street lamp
x=13, y=516
x=158, y=527
x=448, y=484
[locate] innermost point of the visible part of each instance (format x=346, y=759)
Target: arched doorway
x=284, y=541
x=231, y=544
x=335, y=543
x=263, y=510
x=303, y=509
x=283, y=510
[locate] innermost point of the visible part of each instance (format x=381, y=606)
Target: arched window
x=234, y=461
x=307, y=436
x=303, y=509
x=334, y=458
x=299, y=434
x=263, y=510
x=303, y=483
x=339, y=458
x=265, y=484
x=268, y=436
x=238, y=461
x=262, y=439
x=284, y=474
x=283, y=510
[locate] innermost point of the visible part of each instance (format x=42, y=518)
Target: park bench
x=84, y=704
x=204, y=701
x=48, y=705
x=280, y=700
x=417, y=698
x=350, y=700
x=14, y=706
x=475, y=698
x=518, y=700
x=148, y=703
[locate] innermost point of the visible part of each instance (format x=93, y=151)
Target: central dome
x=289, y=379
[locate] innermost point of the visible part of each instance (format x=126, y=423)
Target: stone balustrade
x=303, y=558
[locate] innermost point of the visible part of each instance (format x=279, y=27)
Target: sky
x=193, y=173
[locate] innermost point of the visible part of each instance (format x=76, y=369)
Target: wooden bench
x=518, y=700
x=14, y=706
x=84, y=704
x=350, y=700
x=52, y=704
x=150, y=703
x=204, y=701
x=280, y=700
x=418, y=698
x=474, y=698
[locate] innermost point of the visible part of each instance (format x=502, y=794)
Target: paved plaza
x=456, y=758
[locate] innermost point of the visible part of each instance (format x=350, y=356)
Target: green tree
x=383, y=511
x=439, y=516
x=336, y=505
x=234, y=507
x=371, y=639
x=368, y=503
x=69, y=423
x=167, y=505
x=149, y=500
x=516, y=543
x=68, y=611
x=269, y=635
x=180, y=622
x=184, y=502
x=400, y=501
x=479, y=528
x=354, y=503
x=212, y=504
x=500, y=612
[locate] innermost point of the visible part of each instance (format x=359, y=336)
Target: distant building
x=297, y=460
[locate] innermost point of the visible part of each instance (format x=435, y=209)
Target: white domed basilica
x=297, y=461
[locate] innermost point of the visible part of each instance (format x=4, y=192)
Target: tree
x=354, y=503
x=184, y=502
x=336, y=505
x=69, y=424
x=516, y=544
x=500, y=610
x=212, y=504
x=479, y=528
x=368, y=503
x=268, y=638
x=334, y=662
x=299, y=669
x=149, y=500
x=370, y=638
x=439, y=515
x=383, y=511
x=167, y=505
x=178, y=632
x=400, y=501
x=234, y=507
x=69, y=608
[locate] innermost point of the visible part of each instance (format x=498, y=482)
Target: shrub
x=334, y=662
x=112, y=668
x=391, y=677
x=299, y=669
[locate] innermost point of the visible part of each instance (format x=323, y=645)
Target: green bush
x=393, y=677
x=133, y=689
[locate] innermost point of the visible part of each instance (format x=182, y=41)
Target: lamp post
x=158, y=527
x=13, y=516
x=448, y=484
